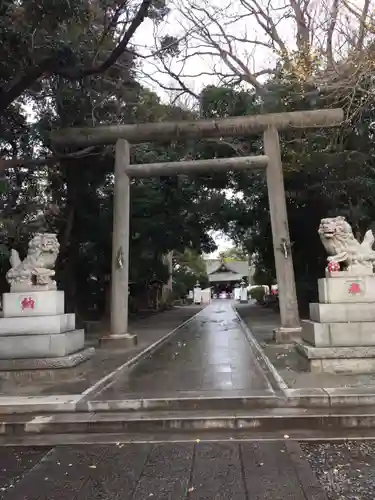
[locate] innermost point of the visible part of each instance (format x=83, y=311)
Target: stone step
x=206, y=403
x=220, y=436
x=339, y=398
x=280, y=420
x=12, y=405
x=66, y=403
x=307, y=398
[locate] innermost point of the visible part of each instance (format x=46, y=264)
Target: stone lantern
x=197, y=293
x=243, y=292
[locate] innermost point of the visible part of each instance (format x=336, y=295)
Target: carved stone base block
x=339, y=337
x=338, y=334
x=37, y=325
x=123, y=341
x=50, y=303
x=284, y=335
x=338, y=359
x=340, y=313
x=347, y=290
x=41, y=345
x=8, y=365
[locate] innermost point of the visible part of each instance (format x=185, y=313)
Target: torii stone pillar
x=120, y=250
x=290, y=325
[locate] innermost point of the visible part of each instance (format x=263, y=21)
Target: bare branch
x=330, y=32
x=35, y=162
x=319, y=42
x=363, y=25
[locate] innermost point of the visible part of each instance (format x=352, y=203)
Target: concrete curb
x=247, y=423
x=109, y=379
x=174, y=437
x=270, y=371
x=188, y=404
x=38, y=404
x=335, y=397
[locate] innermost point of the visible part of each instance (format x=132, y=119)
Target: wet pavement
x=105, y=360
x=200, y=471
x=210, y=354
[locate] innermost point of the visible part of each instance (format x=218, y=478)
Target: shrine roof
x=240, y=267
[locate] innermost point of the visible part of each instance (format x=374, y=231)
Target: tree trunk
x=69, y=242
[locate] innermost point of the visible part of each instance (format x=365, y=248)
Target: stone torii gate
x=124, y=135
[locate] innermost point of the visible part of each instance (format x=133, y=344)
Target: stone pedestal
x=284, y=335
x=339, y=337
x=124, y=341
x=35, y=333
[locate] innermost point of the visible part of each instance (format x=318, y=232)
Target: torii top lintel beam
x=225, y=127
x=193, y=166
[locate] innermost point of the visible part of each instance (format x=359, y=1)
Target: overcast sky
x=235, y=20
x=200, y=68
x=144, y=41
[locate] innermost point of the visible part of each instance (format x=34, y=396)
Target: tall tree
x=234, y=253
x=37, y=40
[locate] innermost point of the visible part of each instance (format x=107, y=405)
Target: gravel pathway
x=345, y=470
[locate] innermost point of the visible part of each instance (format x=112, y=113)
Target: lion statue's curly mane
x=35, y=272
x=338, y=239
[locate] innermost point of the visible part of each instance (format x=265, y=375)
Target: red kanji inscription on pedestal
x=354, y=288
x=27, y=303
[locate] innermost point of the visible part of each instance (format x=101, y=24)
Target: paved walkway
x=105, y=360
x=201, y=471
x=209, y=354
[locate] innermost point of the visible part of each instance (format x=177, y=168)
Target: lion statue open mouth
x=337, y=237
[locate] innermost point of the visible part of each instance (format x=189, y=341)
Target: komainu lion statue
x=337, y=237
x=36, y=271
